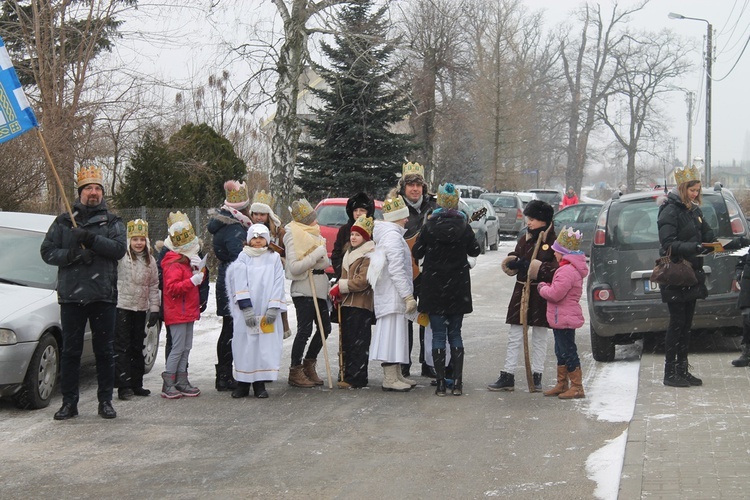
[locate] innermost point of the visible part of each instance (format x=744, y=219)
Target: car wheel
x=484, y=245
x=41, y=376
x=151, y=346
x=602, y=348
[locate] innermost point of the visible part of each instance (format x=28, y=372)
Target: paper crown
x=395, y=209
x=364, y=223
x=447, y=196
x=263, y=197
x=686, y=174
x=138, y=227
x=90, y=175
x=176, y=217
x=236, y=194
x=412, y=169
x=181, y=233
x=568, y=241
x=303, y=212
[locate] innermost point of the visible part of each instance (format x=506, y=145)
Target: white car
x=30, y=331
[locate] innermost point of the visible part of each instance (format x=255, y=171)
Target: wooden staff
x=320, y=328
x=525, y=296
x=57, y=177
x=341, y=345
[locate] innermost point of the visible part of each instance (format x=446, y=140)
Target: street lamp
x=709, y=49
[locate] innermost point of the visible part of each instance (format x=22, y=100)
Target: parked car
x=469, y=191
x=551, y=196
x=623, y=303
x=331, y=216
x=526, y=197
x=30, y=331
x=485, y=229
x=509, y=212
x=582, y=217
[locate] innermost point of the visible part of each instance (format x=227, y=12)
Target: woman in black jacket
x=682, y=231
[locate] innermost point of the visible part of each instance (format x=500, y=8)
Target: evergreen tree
x=353, y=148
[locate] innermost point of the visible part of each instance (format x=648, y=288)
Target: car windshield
x=505, y=202
x=550, y=197
x=21, y=261
x=335, y=215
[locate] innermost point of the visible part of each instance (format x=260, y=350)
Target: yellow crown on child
x=176, y=217
x=302, y=211
x=366, y=223
x=686, y=174
x=90, y=175
x=569, y=239
x=263, y=197
x=393, y=204
x=182, y=234
x=137, y=227
x=410, y=168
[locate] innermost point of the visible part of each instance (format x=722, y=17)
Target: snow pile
x=605, y=465
x=612, y=391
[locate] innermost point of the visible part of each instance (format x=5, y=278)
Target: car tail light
x=737, y=227
x=603, y=294
x=600, y=232
x=519, y=214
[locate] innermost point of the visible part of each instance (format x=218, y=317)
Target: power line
x=734, y=65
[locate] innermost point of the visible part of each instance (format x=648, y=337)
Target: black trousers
x=130, y=333
x=306, y=317
x=101, y=317
x=677, y=339
x=224, y=344
x=356, y=332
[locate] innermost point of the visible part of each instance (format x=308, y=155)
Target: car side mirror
x=491, y=217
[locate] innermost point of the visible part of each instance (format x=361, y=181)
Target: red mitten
x=335, y=293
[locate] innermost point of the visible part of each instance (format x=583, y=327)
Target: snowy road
x=339, y=444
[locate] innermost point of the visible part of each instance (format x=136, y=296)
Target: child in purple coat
x=564, y=312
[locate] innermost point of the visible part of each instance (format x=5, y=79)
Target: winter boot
x=457, y=360
x=259, y=390
x=125, y=393
x=391, y=381
x=140, y=391
x=562, y=382
x=308, y=366
x=405, y=380
x=672, y=378
x=297, y=378
x=438, y=359
x=576, y=385
x=537, y=378
x=183, y=385
x=224, y=379
x=682, y=370
x=168, y=390
x=242, y=390
x=744, y=358
x=505, y=382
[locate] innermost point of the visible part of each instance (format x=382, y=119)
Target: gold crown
x=176, y=217
x=570, y=239
x=236, y=192
x=182, y=235
x=263, y=197
x=138, y=227
x=301, y=210
x=90, y=175
x=686, y=174
x=447, y=196
x=412, y=169
x=393, y=204
x=366, y=223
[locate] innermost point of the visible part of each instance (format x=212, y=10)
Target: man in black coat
x=86, y=255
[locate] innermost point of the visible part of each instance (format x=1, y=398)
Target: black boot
x=682, y=370
x=744, y=359
x=428, y=371
x=438, y=357
x=106, y=410
x=457, y=360
x=537, y=377
x=671, y=377
x=242, y=390
x=66, y=411
x=224, y=379
x=505, y=382
x=259, y=389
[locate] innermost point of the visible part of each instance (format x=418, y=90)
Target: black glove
x=521, y=264
x=737, y=243
x=83, y=236
x=81, y=255
x=153, y=317
x=701, y=250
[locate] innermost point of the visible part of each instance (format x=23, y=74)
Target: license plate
x=650, y=286
x=501, y=214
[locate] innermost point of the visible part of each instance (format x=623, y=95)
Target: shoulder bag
x=667, y=272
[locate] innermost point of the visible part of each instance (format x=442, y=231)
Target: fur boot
x=391, y=381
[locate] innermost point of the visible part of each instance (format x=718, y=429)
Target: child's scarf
x=306, y=238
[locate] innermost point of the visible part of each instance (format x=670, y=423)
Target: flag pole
x=57, y=177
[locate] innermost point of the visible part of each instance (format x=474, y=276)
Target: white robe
x=257, y=355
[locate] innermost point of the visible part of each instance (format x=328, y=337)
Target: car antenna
x=665, y=178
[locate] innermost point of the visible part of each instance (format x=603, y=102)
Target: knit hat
x=364, y=226
x=447, y=196
x=236, y=195
x=395, y=209
x=303, y=212
x=539, y=210
x=182, y=238
x=262, y=203
x=259, y=230
x=568, y=241
x=137, y=227
x=89, y=175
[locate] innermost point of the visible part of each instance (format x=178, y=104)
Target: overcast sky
x=189, y=46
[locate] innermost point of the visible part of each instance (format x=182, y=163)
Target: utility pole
x=709, y=76
x=690, y=98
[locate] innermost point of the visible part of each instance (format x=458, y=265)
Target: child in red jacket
x=182, y=273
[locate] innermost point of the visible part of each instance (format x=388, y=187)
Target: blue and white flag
x=16, y=115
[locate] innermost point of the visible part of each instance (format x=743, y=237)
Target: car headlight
x=7, y=337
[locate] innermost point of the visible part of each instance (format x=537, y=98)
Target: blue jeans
x=448, y=325
x=565, y=348
x=102, y=318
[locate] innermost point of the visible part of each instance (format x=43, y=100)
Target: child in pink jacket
x=564, y=312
